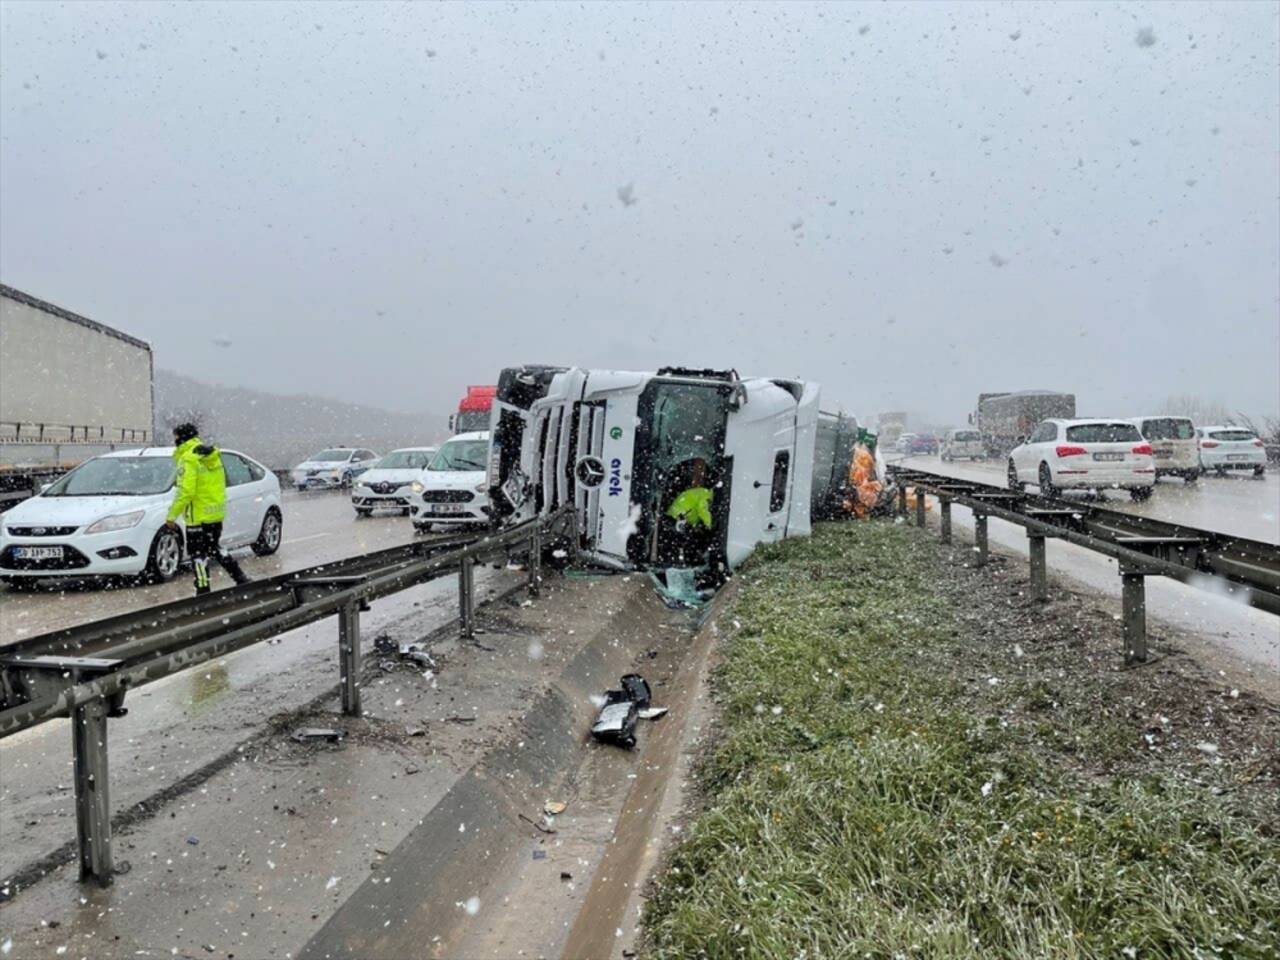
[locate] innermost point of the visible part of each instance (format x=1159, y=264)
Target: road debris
x=652, y=713
x=539, y=854
x=554, y=807
x=616, y=722
x=411, y=731
x=535, y=824
x=328, y=734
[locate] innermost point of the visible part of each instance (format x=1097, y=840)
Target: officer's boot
x=232, y=566
x=201, y=567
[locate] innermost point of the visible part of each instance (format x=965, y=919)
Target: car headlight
x=416, y=486
x=121, y=521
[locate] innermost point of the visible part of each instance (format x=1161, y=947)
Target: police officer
x=201, y=500
x=691, y=513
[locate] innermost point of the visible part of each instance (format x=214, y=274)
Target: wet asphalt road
x=1240, y=505
x=318, y=527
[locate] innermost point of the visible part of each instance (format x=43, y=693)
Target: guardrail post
x=902, y=499
x=1133, y=601
x=920, y=504
x=944, y=507
x=349, y=657
x=535, y=561
x=980, y=537
x=93, y=803
x=1039, y=579
x=466, y=597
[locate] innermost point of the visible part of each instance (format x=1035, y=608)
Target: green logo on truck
x=616, y=433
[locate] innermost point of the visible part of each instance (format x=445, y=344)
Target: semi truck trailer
x=70, y=388
x=618, y=447
x=1006, y=419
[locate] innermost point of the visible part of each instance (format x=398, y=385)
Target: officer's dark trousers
x=203, y=546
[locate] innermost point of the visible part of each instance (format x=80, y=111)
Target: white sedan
x=454, y=489
x=1084, y=455
x=106, y=517
x=385, y=485
x=1232, y=448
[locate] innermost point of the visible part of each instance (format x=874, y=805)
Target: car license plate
x=1162, y=452
x=1237, y=456
x=1108, y=456
x=447, y=508
x=37, y=553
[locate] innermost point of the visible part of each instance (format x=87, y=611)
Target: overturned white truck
x=621, y=446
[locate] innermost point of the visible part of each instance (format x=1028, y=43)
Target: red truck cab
x=473, y=409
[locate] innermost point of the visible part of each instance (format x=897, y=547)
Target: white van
x=966, y=443
x=1173, y=445
x=452, y=488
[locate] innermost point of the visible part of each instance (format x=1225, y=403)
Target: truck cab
x=619, y=447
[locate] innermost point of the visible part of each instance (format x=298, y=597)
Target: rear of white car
x=454, y=488
x=1173, y=445
x=963, y=444
x=1084, y=455
x=1232, y=448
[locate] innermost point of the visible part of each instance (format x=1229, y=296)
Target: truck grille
x=41, y=531
x=447, y=496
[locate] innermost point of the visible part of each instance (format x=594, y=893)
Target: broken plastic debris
x=652, y=713
x=305, y=734
x=637, y=689
x=553, y=807
x=616, y=723
x=539, y=854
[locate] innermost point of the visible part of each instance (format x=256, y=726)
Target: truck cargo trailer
x=1007, y=419
x=70, y=388
x=620, y=447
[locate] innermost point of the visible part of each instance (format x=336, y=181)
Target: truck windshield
x=462, y=455
x=468, y=421
x=116, y=476
x=405, y=460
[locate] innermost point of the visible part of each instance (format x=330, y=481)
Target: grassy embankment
x=890, y=779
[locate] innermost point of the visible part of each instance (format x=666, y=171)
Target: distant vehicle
x=71, y=388
x=386, y=484
x=453, y=488
x=1174, y=445
x=1084, y=454
x=890, y=426
x=1006, y=420
x=473, y=410
x=107, y=517
x=1232, y=448
x=903, y=443
x=922, y=443
x=333, y=468
x=963, y=444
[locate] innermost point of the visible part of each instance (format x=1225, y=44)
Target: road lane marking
x=310, y=536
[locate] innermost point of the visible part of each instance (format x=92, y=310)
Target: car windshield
x=404, y=460
x=462, y=455
x=116, y=476
x=331, y=456
x=1103, y=433
x=1168, y=428
x=1233, y=435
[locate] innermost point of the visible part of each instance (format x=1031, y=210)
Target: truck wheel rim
x=271, y=531
x=167, y=555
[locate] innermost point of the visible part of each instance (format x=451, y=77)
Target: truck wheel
x=165, y=557
x=1014, y=482
x=269, y=536
x=1047, y=489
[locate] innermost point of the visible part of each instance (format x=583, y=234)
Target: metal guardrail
x=1143, y=546
x=85, y=672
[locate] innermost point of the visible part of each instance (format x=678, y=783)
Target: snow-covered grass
x=861, y=802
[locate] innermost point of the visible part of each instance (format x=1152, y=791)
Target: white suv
x=1084, y=455
x=454, y=488
x=963, y=443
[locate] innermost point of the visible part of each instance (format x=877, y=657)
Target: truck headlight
x=120, y=521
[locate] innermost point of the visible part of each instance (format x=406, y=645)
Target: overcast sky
x=907, y=203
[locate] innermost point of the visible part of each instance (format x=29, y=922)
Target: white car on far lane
x=106, y=517
x=454, y=488
x=1232, y=448
x=385, y=485
x=331, y=469
x=1084, y=455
